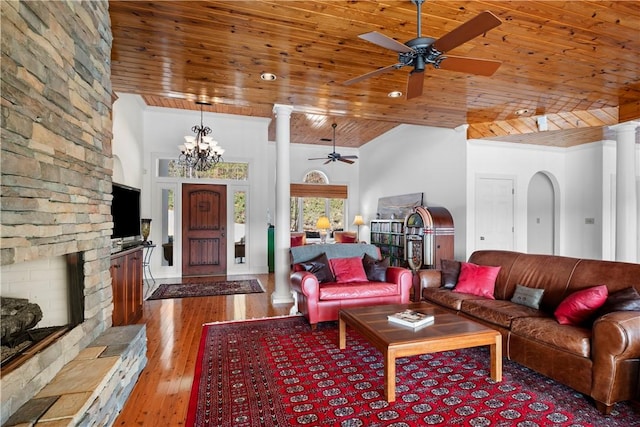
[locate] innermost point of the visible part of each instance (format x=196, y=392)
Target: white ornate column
x=282, y=293
x=626, y=193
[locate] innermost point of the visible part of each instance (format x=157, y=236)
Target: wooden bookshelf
x=388, y=235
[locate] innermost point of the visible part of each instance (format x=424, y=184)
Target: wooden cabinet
x=126, y=282
x=388, y=235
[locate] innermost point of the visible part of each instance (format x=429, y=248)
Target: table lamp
x=323, y=225
x=358, y=220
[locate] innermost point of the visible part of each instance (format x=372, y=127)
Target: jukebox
x=429, y=235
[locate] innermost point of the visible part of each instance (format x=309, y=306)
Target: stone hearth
x=92, y=388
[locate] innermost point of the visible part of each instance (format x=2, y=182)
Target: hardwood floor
x=174, y=326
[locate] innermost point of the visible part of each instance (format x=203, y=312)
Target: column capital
x=625, y=127
x=282, y=109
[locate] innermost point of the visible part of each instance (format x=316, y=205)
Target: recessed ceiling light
x=394, y=94
x=268, y=77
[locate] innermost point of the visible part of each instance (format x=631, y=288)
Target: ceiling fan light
x=269, y=77
x=394, y=94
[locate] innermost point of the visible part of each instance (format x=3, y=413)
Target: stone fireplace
x=56, y=170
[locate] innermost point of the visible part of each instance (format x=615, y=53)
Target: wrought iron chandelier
x=200, y=152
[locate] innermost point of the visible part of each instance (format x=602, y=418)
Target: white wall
x=127, y=146
x=518, y=161
x=417, y=159
x=583, y=201
x=578, y=172
x=337, y=172
x=160, y=130
x=244, y=140
x=438, y=162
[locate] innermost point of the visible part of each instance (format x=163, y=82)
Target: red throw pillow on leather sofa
x=348, y=269
x=477, y=280
x=580, y=305
x=296, y=241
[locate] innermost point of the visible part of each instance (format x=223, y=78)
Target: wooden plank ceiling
x=576, y=62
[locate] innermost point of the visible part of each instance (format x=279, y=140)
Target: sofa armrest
x=305, y=283
x=404, y=279
x=615, y=341
x=430, y=278
x=617, y=335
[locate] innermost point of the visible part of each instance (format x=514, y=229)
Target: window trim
x=326, y=191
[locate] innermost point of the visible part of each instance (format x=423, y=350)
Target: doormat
x=207, y=289
x=280, y=372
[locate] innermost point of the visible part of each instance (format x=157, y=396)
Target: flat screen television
x=125, y=210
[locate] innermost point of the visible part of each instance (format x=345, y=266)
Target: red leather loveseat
x=321, y=302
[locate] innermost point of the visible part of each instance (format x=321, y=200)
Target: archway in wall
x=542, y=215
x=118, y=170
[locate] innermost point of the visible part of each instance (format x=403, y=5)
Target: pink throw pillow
x=477, y=280
x=348, y=269
x=580, y=305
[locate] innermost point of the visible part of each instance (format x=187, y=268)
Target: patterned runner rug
x=206, y=289
x=278, y=372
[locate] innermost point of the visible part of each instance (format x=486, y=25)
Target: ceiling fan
x=333, y=156
x=421, y=51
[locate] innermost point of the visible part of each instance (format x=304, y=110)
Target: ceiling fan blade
x=348, y=157
x=345, y=160
x=385, y=41
x=317, y=158
x=329, y=161
x=465, y=32
x=373, y=73
x=414, y=84
x=481, y=67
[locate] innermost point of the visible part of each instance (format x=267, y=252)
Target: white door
x=494, y=213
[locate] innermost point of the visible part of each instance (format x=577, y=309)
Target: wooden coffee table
x=448, y=332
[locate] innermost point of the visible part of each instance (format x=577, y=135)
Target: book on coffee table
x=411, y=318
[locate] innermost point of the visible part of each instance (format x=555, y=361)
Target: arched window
x=308, y=206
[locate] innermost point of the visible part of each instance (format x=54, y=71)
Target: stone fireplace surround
x=56, y=170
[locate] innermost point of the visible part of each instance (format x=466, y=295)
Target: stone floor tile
x=30, y=412
x=79, y=376
x=91, y=353
x=68, y=405
x=67, y=422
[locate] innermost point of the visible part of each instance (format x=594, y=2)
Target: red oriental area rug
x=278, y=372
x=206, y=289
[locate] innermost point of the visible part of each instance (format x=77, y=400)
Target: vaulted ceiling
x=575, y=62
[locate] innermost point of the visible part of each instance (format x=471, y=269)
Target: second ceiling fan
x=333, y=156
x=421, y=51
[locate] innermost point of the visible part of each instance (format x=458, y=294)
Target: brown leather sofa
x=601, y=360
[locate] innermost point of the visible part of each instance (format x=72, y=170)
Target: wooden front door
x=204, y=229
